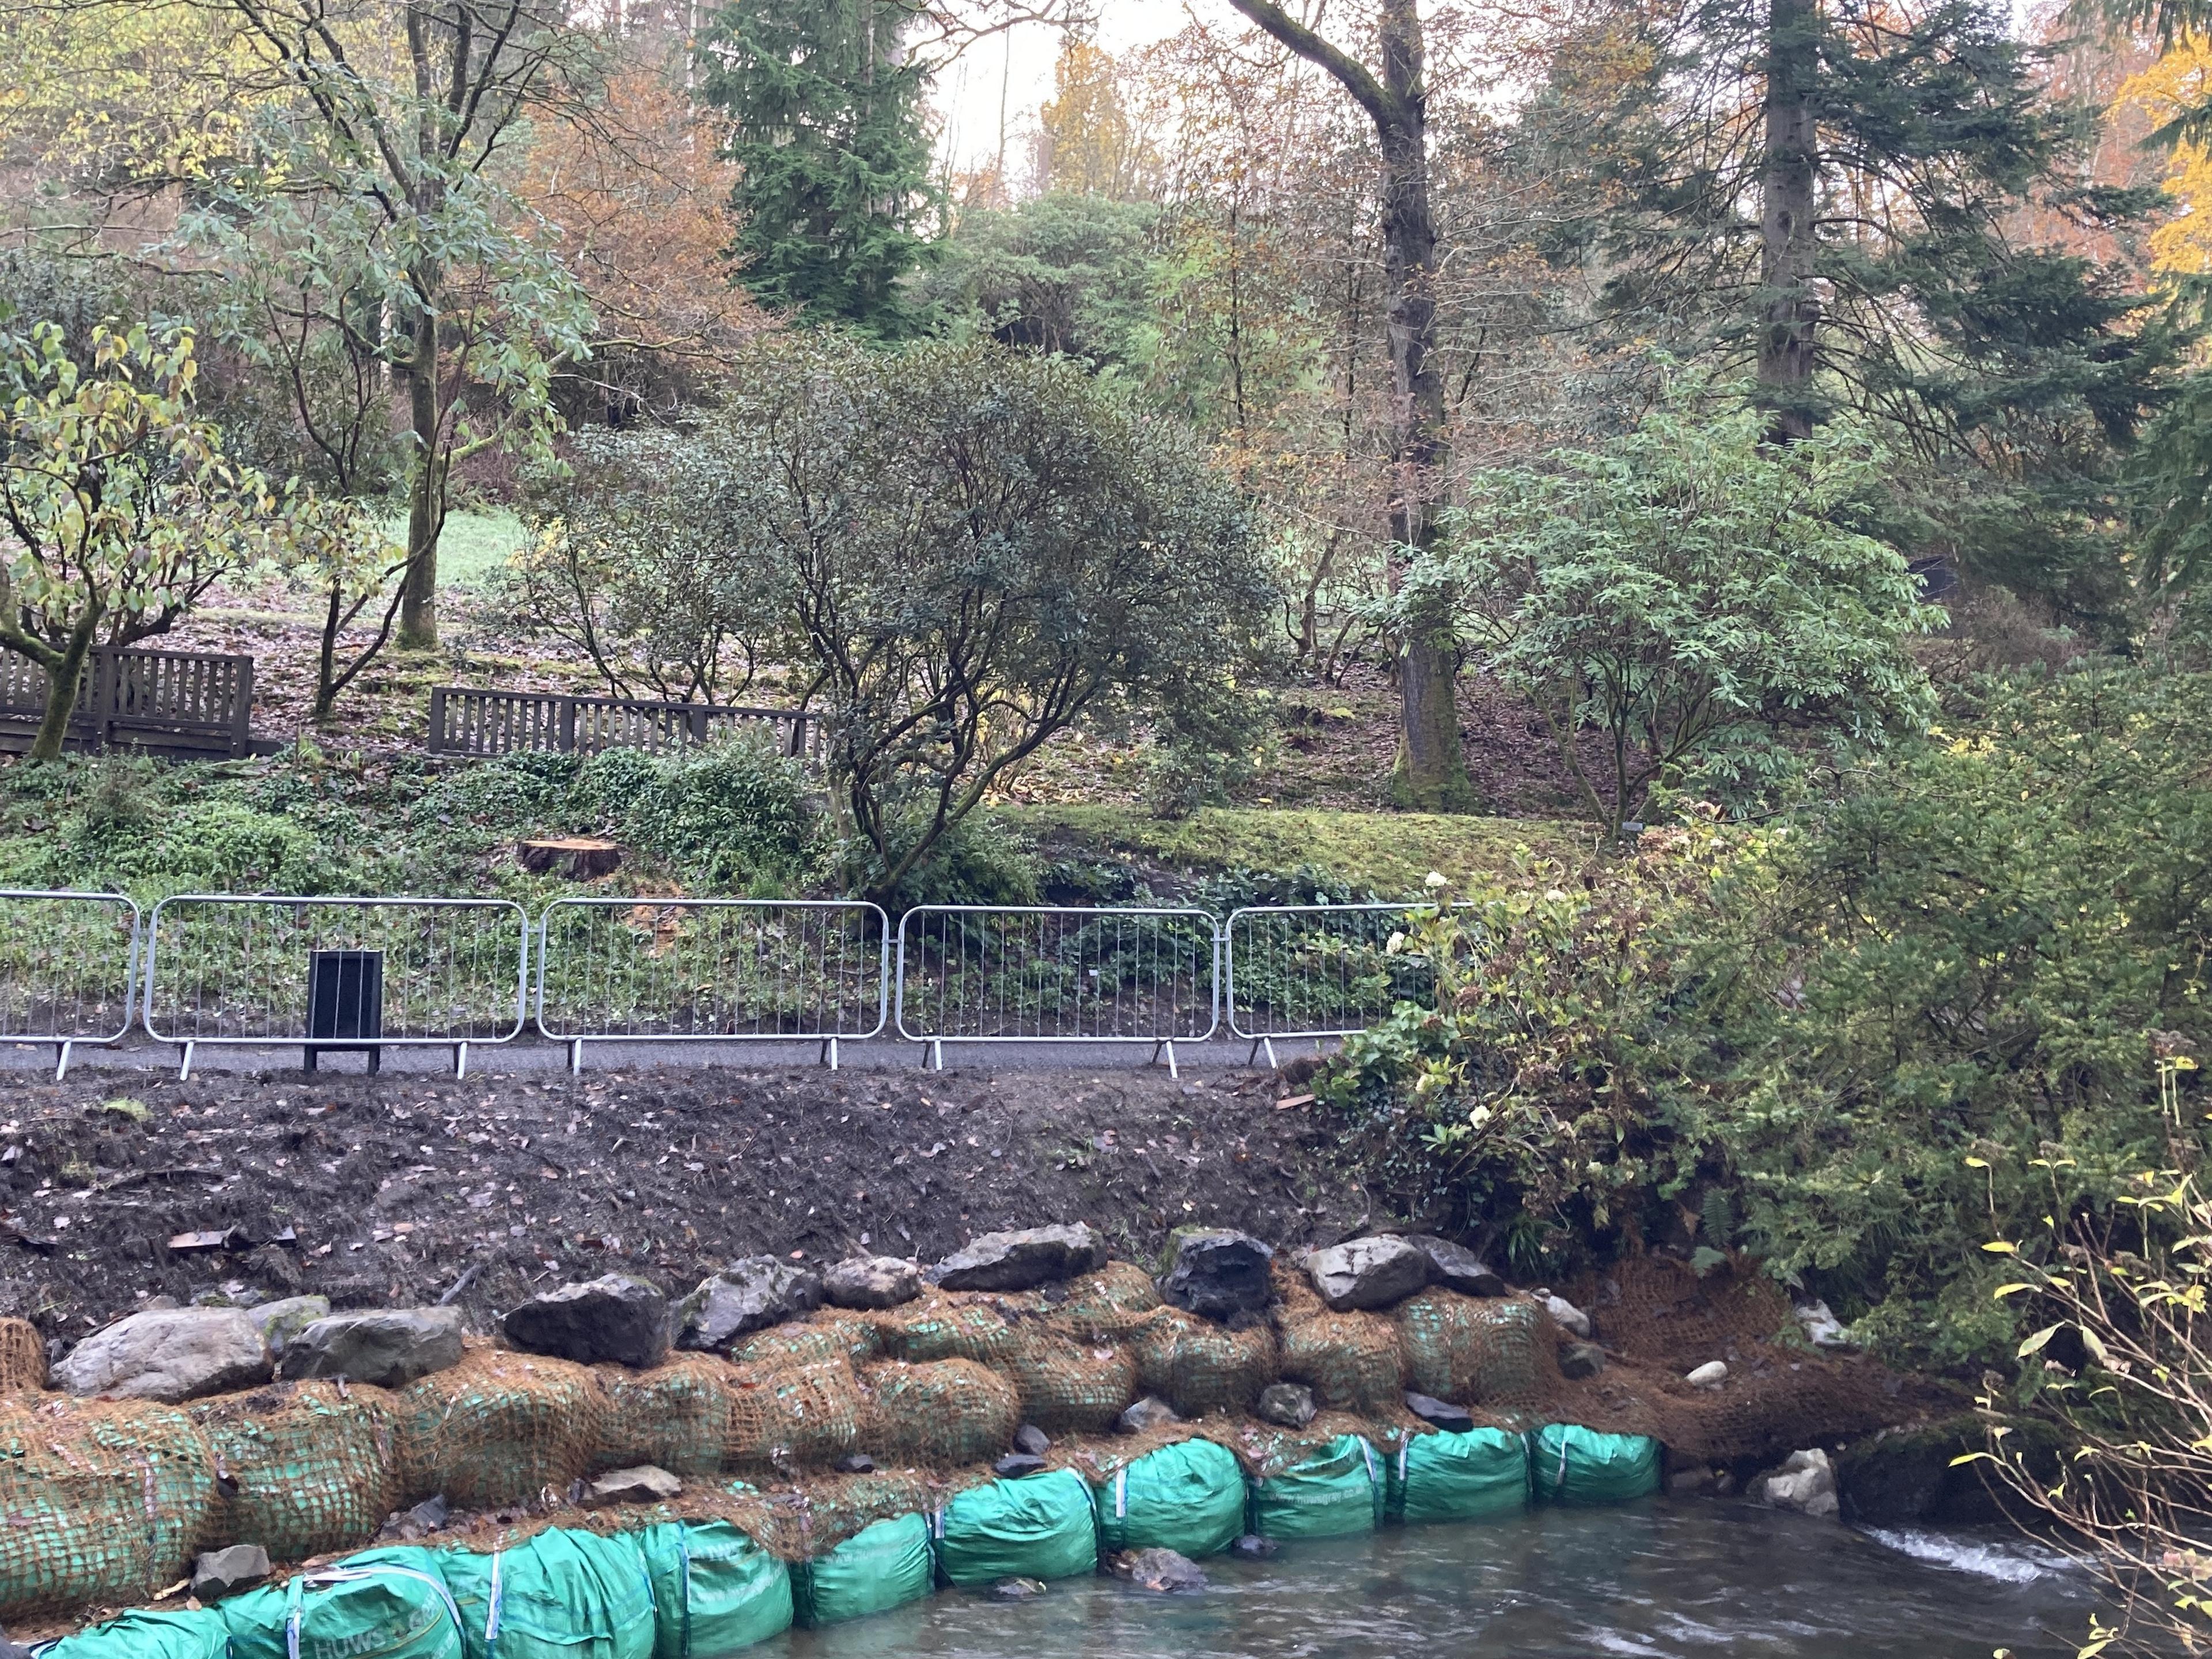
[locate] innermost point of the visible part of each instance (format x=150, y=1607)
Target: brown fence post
x=437, y=719
x=567, y=741
x=95, y=701
x=241, y=710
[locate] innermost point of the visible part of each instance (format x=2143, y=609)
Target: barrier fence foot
x=1168, y=1049
x=61, y=1066
x=575, y=1056
x=460, y=1060
x=937, y=1053
x=184, y=1071
x=1273, y=1065
x=830, y=1052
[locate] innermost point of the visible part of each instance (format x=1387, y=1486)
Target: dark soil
x=401, y=1191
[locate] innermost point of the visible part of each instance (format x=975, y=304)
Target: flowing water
x=1712, y=1580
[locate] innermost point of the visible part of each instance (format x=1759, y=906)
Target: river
x=1711, y=1580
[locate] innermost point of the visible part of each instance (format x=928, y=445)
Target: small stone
x=645, y=1484
x=387, y=1348
x=1021, y=1261
x=1368, y=1273
x=855, y=1463
x=613, y=1318
x=1699, y=1482
x=1016, y=1589
x=1711, y=1375
x=1455, y=1267
x=1252, y=1547
x=280, y=1322
x=1032, y=1439
x=1806, y=1482
x=1161, y=1571
x=168, y=1355
x=1580, y=1361
x=1290, y=1404
x=1218, y=1274
x=1014, y=1464
x=428, y=1517
x=1451, y=1419
x=747, y=1295
x=225, y=1572
x=1565, y=1315
x=870, y=1281
x=1149, y=1413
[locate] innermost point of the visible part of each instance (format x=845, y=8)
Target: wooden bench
x=186, y=705
x=466, y=721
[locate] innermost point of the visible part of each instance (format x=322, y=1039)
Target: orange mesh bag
x=940, y=1413
x=498, y=1429
x=1107, y=1303
x=948, y=1330
x=794, y=1413
x=1065, y=1387
x=1479, y=1351
x=22, y=1356
x=309, y=1468
x=1353, y=1361
x=817, y=1340
x=676, y=1416
x=1196, y=1366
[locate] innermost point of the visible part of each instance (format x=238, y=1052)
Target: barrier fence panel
x=1317, y=970
x=687, y=971
x=1044, y=974
x=68, y=966
x=335, y=974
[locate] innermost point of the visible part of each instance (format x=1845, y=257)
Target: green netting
x=882, y=1566
x=1353, y=1361
x=1468, y=1476
x=1338, y=1490
x=310, y=1469
x=943, y=1414
x=181, y=1502
x=1477, y=1350
x=382, y=1604
x=715, y=1589
x=562, y=1594
x=190, y=1635
x=676, y=1416
x=1575, y=1465
x=1039, y=1527
x=1188, y=1497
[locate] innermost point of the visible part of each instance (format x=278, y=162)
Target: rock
x=615, y=1318
x=1911, y=1474
x=218, y=1573
x=855, y=1463
x=1218, y=1274
x=1565, y=1315
x=387, y=1347
x=1014, y=1464
x=1149, y=1413
x=747, y=1295
x=870, y=1281
x=1021, y=1261
x=280, y=1322
x=1016, y=1589
x=1580, y=1361
x=1822, y=1329
x=1806, y=1482
x=10, y=1651
x=1455, y=1267
x=1160, y=1570
x=1252, y=1547
x=645, y=1484
x=1711, y=1375
x=425, y=1517
x=169, y=1356
x=1368, y=1273
x=1290, y=1404
x=1451, y=1419
x=1697, y=1482
x=1032, y=1439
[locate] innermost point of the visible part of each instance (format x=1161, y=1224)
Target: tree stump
x=580, y=856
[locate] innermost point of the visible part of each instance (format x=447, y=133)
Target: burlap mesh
x=1108, y=1303
x=1196, y=1366
x=498, y=1429
x=938, y=1414
x=941, y=1329
x=676, y=1416
x=1659, y=1308
x=1066, y=1386
x=794, y=1414
x=22, y=1356
x=1479, y=1351
x=819, y=1513
x=1353, y=1361
x=306, y=1468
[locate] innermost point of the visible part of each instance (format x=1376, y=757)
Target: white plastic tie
x=1121, y=1494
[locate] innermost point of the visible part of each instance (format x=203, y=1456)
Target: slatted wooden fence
x=184, y=704
x=467, y=721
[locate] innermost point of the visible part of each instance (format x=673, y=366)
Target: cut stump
x=580, y=856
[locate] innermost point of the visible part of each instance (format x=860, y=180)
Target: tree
x=117, y=507
x=1061, y=272
x=1431, y=771
x=1089, y=142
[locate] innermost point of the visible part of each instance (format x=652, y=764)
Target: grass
x=1389, y=853
x=476, y=543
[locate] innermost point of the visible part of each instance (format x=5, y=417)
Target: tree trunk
x=426, y=493
x=1789, y=308
x=62, y=676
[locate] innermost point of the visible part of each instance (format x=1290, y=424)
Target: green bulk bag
x=561, y=1596
x=882, y=1566
x=715, y=1589
x=381, y=1604
x=1468, y=1476
x=1576, y=1465
x=1188, y=1497
x=186, y=1635
x=1038, y=1527
x=1338, y=1490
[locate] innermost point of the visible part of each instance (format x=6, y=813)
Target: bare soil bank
x=401, y=1191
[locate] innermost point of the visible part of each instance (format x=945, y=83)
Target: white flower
x=1397, y=944
x=1435, y=879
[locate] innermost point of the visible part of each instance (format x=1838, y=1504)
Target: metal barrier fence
x=1315, y=970
x=695, y=970
x=69, y=966
x=1050, y=974
x=335, y=974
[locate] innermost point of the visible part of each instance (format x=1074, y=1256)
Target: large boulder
x=1290, y=1404
x=870, y=1281
x=1806, y=1482
x=386, y=1348
x=1021, y=1261
x=1455, y=1267
x=1218, y=1274
x=170, y=1354
x=1369, y=1272
x=218, y=1573
x=1453, y=1420
x=280, y=1322
x=749, y=1294
x=614, y=1317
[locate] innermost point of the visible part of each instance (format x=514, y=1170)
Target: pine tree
x=824, y=119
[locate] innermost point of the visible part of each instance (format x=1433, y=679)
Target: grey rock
x=614, y=1317
x=170, y=1356
x=1149, y=1413
x=1451, y=1419
x=1021, y=1261
x=218, y=1573
x=1252, y=1547
x=1032, y=1439
x=1016, y=1589
x=1711, y=1375
x=280, y=1322
x=428, y=1517
x=387, y=1347
x=1218, y=1274
x=644, y=1484
x=1368, y=1273
x=1806, y=1482
x=855, y=1463
x=1565, y=1315
x=1014, y=1464
x=1290, y=1404
x=1698, y=1481
x=870, y=1281
x=1455, y=1267
x=1580, y=1361
x=1162, y=1572
x=747, y=1295
x=10, y=1651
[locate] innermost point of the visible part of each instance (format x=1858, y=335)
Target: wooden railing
x=465, y=721
x=180, y=703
